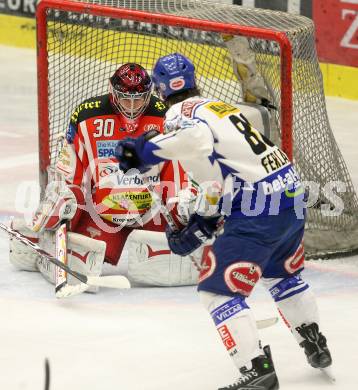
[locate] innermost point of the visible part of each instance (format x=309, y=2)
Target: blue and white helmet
x=172, y=74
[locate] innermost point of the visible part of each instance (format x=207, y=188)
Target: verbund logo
x=336, y=24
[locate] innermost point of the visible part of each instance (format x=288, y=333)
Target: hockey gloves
x=197, y=232
x=129, y=152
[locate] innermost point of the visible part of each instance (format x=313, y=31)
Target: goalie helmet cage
x=81, y=43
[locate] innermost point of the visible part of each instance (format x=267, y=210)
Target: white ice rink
x=145, y=338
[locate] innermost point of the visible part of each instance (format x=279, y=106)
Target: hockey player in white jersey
x=259, y=194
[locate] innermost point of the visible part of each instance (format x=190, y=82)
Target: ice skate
x=261, y=376
x=315, y=346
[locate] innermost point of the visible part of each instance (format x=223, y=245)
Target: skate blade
x=328, y=373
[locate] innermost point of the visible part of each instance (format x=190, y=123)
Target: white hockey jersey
x=215, y=142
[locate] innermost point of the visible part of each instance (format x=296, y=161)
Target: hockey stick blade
x=112, y=281
x=70, y=290
x=267, y=322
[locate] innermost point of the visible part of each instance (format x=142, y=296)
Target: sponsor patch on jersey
x=133, y=201
x=123, y=219
x=188, y=107
x=160, y=106
x=226, y=337
x=135, y=180
x=84, y=106
x=208, y=264
x=221, y=109
x=129, y=127
x=177, y=83
x=287, y=180
x=107, y=169
x=241, y=277
x=106, y=149
x=151, y=126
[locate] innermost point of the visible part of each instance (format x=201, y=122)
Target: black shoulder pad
x=96, y=106
x=156, y=107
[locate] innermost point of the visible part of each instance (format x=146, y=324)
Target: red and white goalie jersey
x=110, y=204
x=90, y=168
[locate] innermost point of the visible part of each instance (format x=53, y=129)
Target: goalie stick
x=62, y=289
x=115, y=281
x=112, y=281
x=61, y=254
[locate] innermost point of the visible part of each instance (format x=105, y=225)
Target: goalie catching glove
x=197, y=232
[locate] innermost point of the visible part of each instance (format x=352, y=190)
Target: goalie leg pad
x=235, y=324
x=151, y=262
x=85, y=255
x=295, y=302
x=20, y=255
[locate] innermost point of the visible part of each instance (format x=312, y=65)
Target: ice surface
x=145, y=338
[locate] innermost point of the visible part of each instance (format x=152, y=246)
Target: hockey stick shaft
x=61, y=255
x=115, y=281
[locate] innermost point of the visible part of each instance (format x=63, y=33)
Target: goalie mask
x=130, y=88
x=173, y=74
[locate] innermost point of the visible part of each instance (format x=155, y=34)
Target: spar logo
x=177, y=83
x=106, y=149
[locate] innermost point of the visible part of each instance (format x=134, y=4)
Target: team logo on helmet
x=177, y=84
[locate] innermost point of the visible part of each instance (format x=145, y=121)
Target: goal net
x=81, y=43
